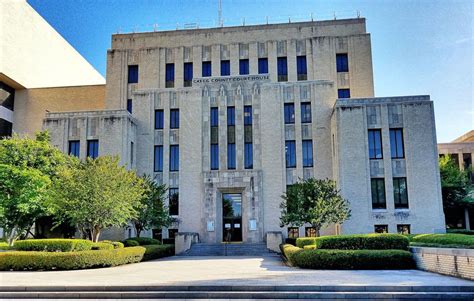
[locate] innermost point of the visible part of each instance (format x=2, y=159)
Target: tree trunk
x=12, y=236
x=95, y=233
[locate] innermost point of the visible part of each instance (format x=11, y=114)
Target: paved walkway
x=249, y=271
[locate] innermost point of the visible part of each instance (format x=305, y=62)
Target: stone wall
x=452, y=262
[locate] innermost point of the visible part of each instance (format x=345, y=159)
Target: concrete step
x=240, y=249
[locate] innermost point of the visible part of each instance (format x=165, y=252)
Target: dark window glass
x=129, y=106
x=174, y=157
x=301, y=68
x=381, y=228
x=290, y=154
x=282, y=69
x=343, y=93
x=131, y=153
x=225, y=68
x=173, y=202
x=305, y=112
x=214, y=116
x=342, y=62
x=93, y=148
x=375, y=144
x=231, y=156
x=378, y=193
x=262, y=66
x=169, y=76
x=206, y=69
x=289, y=113
x=396, y=143
x=133, y=74
x=244, y=67
x=403, y=229
x=159, y=119
x=158, y=162
x=174, y=118
x=172, y=233
x=307, y=153
x=214, y=156
x=230, y=116
x=247, y=115
x=248, y=156
x=400, y=194
x=293, y=232
x=74, y=147
x=310, y=232
x=188, y=74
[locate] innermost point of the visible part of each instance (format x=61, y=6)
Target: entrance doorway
x=232, y=217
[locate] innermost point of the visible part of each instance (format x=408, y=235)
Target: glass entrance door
x=232, y=217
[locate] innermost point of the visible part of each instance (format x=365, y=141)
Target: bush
x=4, y=246
x=130, y=243
x=444, y=240
x=157, y=251
x=353, y=259
x=116, y=244
x=102, y=246
x=143, y=241
x=36, y=261
x=363, y=242
x=460, y=231
x=309, y=247
x=305, y=241
x=53, y=245
x=289, y=250
x=291, y=241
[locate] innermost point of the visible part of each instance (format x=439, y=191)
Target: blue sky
x=418, y=47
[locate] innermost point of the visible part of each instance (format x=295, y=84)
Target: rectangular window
x=375, y=144
x=301, y=68
x=133, y=74
x=158, y=162
x=231, y=156
x=159, y=119
x=74, y=147
x=225, y=68
x=174, y=157
x=214, y=116
x=342, y=62
x=92, y=148
x=247, y=115
x=244, y=66
x=293, y=232
x=403, y=229
x=230, y=116
x=174, y=119
x=310, y=232
x=248, y=156
x=290, y=153
x=282, y=69
x=343, y=93
x=307, y=153
x=206, y=69
x=396, y=144
x=381, y=228
x=400, y=194
x=173, y=201
x=262, y=65
x=305, y=112
x=172, y=233
x=169, y=76
x=188, y=74
x=289, y=113
x=129, y=106
x=378, y=193
x=132, y=150
x=214, y=156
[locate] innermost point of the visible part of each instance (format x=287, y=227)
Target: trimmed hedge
x=157, y=251
x=143, y=241
x=289, y=250
x=363, y=242
x=460, y=231
x=116, y=244
x=35, y=261
x=305, y=241
x=4, y=246
x=130, y=243
x=53, y=245
x=102, y=246
x=446, y=240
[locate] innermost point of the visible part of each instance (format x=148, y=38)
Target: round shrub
x=116, y=244
x=157, y=251
x=102, y=246
x=53, y=245
x=143, y=241
x=43, y=261
x=363, y=242
x=130, y=243
x=305, y=241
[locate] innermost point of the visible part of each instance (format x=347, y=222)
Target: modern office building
x=228, y=117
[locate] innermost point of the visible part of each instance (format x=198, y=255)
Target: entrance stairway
x=231, y=249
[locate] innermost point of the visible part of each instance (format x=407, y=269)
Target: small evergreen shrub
x=305, y=241
x=143, y=241
x=363, y=242
x=157, y=251
x=53, y=245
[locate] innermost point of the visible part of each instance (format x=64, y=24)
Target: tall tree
x=313, y=201
x=455, y=185
x=96, y=194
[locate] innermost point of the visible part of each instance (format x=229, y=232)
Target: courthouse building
x=227, y=118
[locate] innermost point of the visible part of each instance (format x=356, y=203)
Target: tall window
x=378, y=193
x=290, y=154
x=307, y=153
x=214, y=116
x=396, y=143
x=74, y=147
x=248, y=138
x=231, y=156
x=169, y=76
x=214, y=138
x=230, y=115
x=305, y=112
x=400, y=194
x=342, y=62
x=248, y=153
x=247, y=115
x=129, y=106
x=231, y=138
x=173, y=201
x=174, y=157
x=289, y=113
x=301, y=68
x=159, y=119
x=188, y=74
x=174, y=118
x=263, y=65
x=244, y=66
x=375, y=144
x=282, y=69
x=343, y=93
x=225, y=68
x=132, y=151
x=92, y=148
x=206, y=69
x=158, y=162
x=133, y=74
x=214, y=156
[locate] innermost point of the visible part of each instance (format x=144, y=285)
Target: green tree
x=455, y=185
x=97, y=194
x=313, y=201
x=152, y=212
x=22, y=196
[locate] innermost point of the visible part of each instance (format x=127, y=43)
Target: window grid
x=174, y=157
x=225, y=68
x=206, y=69
x=214, y=156
x=307, y=153
x=378, y=193
x=282, y=69
x=301, y=68
x=244, y=67
x=375, y=144
x=342, y=62
x=289, y=113
x=262, y=65
x=173, y=201
x=397, y=148
x=158, y=161
x=248, y=153
x=93, y=148
x=305, y=112
x=169, y=76
x=290, y=154
x=74, y=148
x=231, y=156
x=188, y=74
x=174, y=118
x=159, y=119
x=400, y=194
